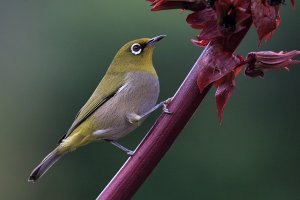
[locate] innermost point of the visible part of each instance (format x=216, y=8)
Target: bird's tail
x=43, y=167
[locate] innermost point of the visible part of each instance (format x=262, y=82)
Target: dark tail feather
x=43, y=167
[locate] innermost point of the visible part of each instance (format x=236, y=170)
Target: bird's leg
x=122, y=148
x=135, y=118
x=161, y=104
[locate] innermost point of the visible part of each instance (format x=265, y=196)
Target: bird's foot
x=165, y=104
x=130, y=153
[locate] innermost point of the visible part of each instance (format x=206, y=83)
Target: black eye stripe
x=143, y=45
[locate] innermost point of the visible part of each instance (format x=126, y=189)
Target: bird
x=124, y=98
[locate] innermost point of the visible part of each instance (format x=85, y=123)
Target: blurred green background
x=52, y=56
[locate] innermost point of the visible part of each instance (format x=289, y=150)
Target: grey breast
x=141, y=91
x=138, y=95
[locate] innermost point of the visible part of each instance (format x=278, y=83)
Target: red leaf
x=223, y=93
x=221, y=63
x=265, y=17
x=225, y=87
x=193, y=5
x=200, y=43
x=202, y=18
x=293, y=3
x=206, y=21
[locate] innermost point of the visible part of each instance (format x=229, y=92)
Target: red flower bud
x=258, y=62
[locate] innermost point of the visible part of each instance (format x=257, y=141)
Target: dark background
x=54, y=53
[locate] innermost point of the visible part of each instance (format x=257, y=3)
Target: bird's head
x=135, y=55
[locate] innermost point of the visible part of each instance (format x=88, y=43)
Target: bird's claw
x=165, y=104
x=130, y=153
x=166, y=110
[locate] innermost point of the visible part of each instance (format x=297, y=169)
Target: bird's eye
x=136, y=49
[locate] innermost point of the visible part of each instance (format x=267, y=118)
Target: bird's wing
x=107, y=88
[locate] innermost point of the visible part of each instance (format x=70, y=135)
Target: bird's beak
x=154, y=40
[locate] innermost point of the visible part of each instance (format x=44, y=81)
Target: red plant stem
x=164, y=132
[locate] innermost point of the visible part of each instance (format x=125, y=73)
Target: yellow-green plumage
x=129, y=89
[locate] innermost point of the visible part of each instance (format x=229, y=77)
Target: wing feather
x=107, y=88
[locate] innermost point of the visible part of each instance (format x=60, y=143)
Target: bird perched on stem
x=126, y=95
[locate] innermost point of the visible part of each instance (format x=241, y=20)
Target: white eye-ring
x=136, y=49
